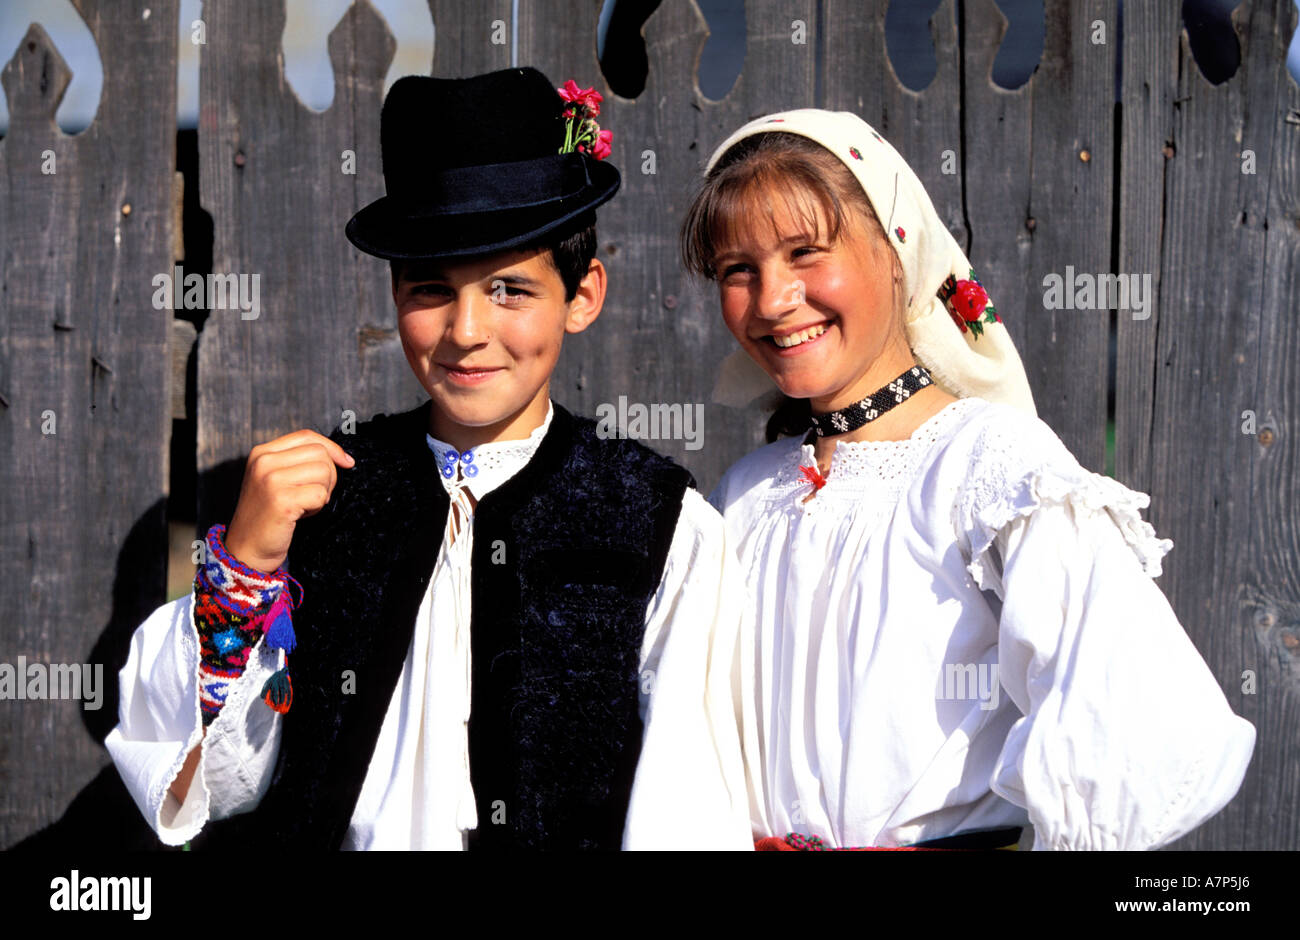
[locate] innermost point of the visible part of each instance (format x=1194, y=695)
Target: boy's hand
x=285, y=479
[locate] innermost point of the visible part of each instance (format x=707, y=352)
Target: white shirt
x=978, y=542
x=689, y=782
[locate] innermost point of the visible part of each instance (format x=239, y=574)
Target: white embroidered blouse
x=417, y=792
x=960, y=632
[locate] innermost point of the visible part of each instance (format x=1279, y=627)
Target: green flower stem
x=588, y=130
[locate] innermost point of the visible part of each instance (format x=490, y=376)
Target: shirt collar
x=487, y=466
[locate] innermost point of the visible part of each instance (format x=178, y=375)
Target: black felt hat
x=472, y=166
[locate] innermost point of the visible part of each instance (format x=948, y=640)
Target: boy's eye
x=501, y=292
x=439, y=290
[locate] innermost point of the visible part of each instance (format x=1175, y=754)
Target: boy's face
x=483, y=335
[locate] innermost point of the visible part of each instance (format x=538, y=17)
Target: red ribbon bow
x=813, y=476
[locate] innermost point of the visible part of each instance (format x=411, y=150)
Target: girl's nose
x=779, y=292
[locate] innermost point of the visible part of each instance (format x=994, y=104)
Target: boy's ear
x=587, y=302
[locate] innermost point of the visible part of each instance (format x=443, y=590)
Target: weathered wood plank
x=79, y=335
x=468, y=40
x=1222, y=244
x=660, y=338
x=183, y=339
x=859, y=76
x=1044, y=152
x=273, y=177
x=83, y=353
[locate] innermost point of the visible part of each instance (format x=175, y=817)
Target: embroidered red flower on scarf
x=970, y=300
x=968, y=304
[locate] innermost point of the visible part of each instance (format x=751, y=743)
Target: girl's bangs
x=728, y=211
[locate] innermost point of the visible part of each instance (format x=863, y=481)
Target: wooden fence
x=1191, y=183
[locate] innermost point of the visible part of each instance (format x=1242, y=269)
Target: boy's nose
x=471, y=319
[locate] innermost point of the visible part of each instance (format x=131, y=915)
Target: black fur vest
x=567, y=555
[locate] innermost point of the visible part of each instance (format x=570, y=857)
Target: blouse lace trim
x=886, y=468
x=1014, y=470
x=1005, y=485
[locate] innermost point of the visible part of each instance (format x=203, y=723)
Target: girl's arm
x=1127, y=740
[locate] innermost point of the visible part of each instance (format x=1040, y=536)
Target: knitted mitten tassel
x=278, y=625
x=277, y=692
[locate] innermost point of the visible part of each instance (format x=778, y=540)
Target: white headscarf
x=980, y=361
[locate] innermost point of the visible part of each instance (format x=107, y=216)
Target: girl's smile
x=797, y=341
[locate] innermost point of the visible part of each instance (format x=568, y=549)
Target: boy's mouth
x=469, y=375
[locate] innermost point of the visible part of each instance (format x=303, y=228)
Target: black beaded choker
x=873, y=406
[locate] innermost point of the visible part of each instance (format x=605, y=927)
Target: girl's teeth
x=795, y=339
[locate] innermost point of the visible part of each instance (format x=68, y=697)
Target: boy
x=506, y=632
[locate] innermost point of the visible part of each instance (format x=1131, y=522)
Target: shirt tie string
x=457, y=469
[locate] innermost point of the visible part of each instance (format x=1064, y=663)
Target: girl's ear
x=588, y=300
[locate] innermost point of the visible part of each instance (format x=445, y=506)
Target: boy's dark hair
x=571, y=249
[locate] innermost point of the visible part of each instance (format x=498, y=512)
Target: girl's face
x=814, y=314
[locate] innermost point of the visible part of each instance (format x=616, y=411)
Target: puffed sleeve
x=689, y=789
x=159, y=723
x=1126, y=739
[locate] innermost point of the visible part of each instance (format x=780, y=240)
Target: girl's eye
x=731, y=269
x=804, y=250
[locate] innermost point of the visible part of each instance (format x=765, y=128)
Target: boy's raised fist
x=286, y=479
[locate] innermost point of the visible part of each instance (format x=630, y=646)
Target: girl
x=950, y=627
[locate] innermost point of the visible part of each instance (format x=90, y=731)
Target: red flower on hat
x=587, y=98
x=581, y=133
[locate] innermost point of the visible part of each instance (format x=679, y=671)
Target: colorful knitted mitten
x=234, y=605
